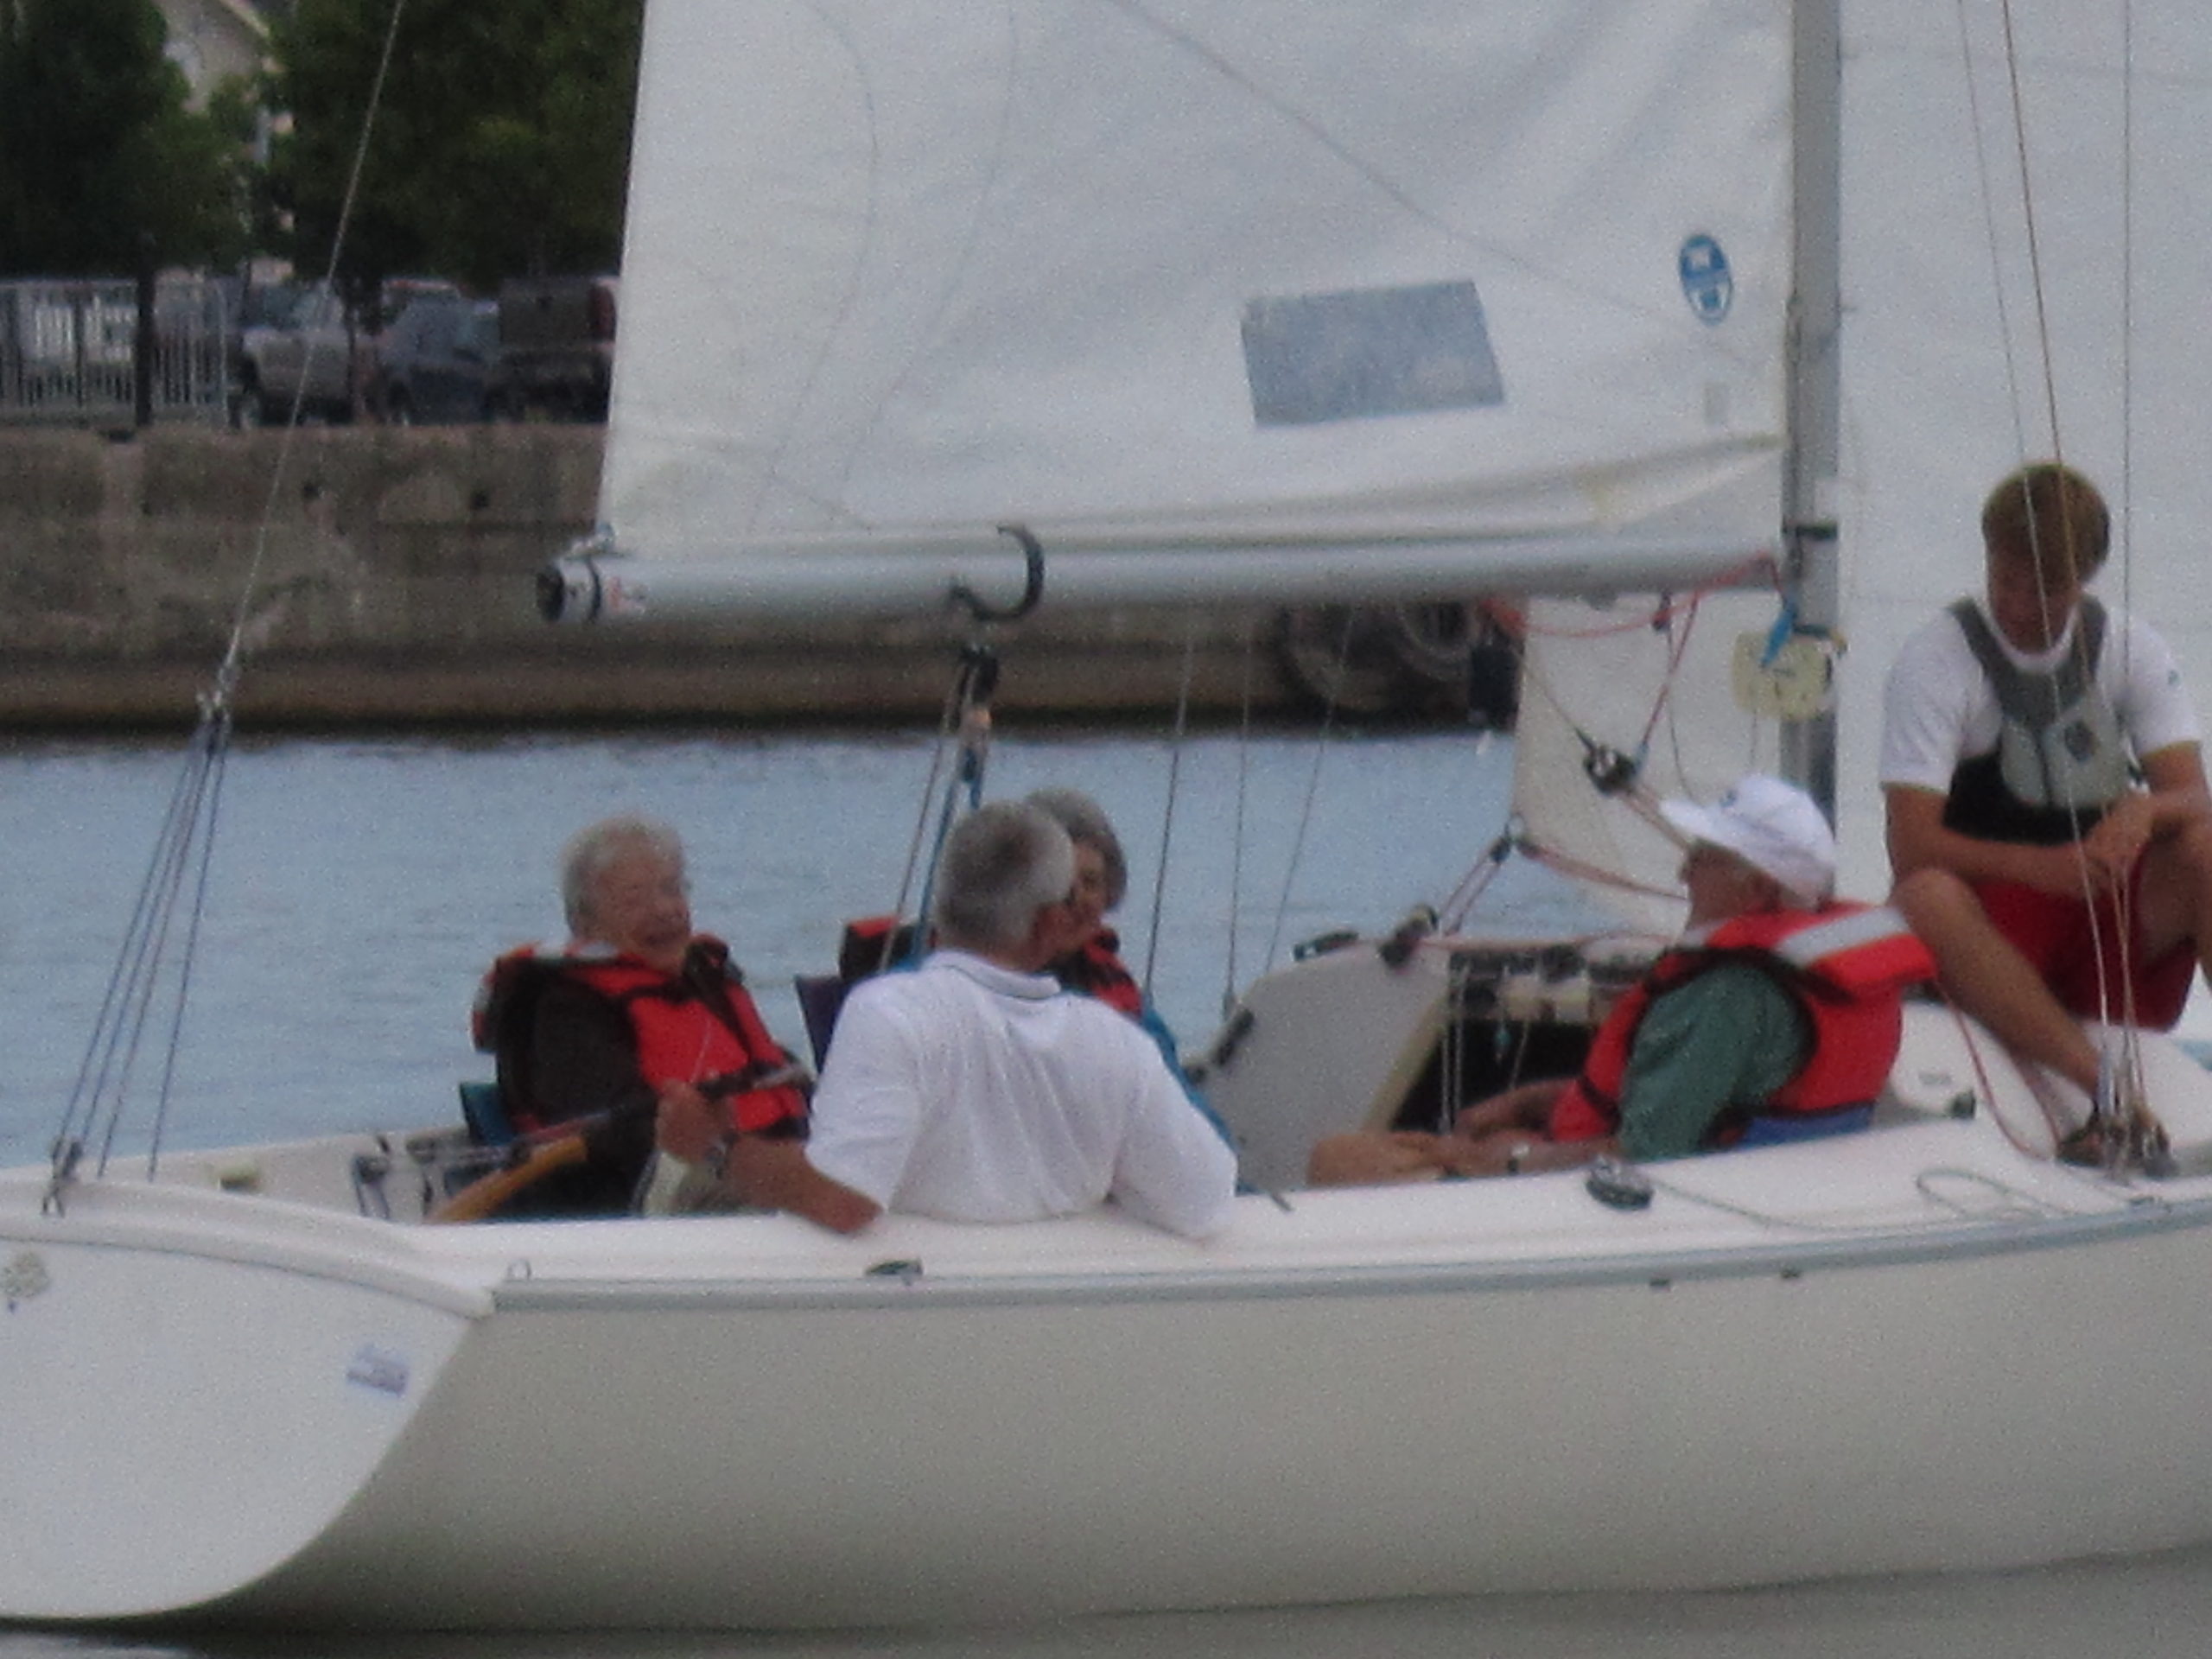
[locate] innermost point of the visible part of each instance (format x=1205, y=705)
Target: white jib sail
x=1965, y=352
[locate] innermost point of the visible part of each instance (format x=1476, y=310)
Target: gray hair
x=1087, y=825
x=1005, y=862
x=592, y=850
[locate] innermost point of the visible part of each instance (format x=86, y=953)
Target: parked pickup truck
x=557, y=346
x=296, y=348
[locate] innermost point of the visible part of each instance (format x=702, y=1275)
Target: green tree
x=101, y=164
x=498, y=143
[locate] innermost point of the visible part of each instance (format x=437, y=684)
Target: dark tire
x=247, y=411
x=1375, y=662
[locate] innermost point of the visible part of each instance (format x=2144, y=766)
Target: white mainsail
x=1461, y=299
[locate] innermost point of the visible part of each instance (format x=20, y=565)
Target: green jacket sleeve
x=1729, y=1038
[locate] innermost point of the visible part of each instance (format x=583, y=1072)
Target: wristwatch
x=1514, y=1154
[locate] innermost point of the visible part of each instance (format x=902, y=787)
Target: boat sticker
x=379, y=1368
x=23, y=1278
x=1392, y=351
x=1707, y=283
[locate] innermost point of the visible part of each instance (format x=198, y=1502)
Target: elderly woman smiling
x=636, y=1008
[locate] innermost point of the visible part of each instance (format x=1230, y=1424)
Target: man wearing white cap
x=1775, y=1015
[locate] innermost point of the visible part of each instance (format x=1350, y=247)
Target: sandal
x=2084, y=1146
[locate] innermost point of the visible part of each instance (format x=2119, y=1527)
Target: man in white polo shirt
x=974, y=1088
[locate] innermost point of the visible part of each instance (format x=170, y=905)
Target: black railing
x=69, y=353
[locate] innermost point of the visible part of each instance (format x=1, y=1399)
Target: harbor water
x=359, y=887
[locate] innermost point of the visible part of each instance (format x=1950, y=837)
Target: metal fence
x=69, y=352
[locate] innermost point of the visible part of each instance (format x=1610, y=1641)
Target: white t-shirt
x=1939, y=707
x=969, y=1092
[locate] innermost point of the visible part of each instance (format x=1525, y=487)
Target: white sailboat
x=1379, y=301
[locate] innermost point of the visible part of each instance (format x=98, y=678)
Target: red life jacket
x=1096, y=970
x=1846, y=964
x=699, y=1027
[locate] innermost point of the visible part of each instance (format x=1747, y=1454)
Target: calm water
x=360, y=886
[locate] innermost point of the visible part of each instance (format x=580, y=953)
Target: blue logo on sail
x=1707, y=281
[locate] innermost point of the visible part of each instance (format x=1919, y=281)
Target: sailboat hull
x=1924, y=1352
x=192, y=1390
x=858, y=305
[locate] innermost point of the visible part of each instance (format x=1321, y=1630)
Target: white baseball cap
x=1774, y=827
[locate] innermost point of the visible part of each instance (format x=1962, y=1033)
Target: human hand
x=687, y=1124
x=1522, y=1108
x=2104, y=857
x=1482, y=1156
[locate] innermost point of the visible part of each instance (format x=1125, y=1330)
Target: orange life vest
x=712, y=1036
x=1847, y=965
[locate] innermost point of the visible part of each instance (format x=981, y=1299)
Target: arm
x=1519, y=1151
x=1729, y=1038
x=1932, y=704
x=1526, y=1107
x=867, y=1118
x=776, y=1175
x=1175, y=1170
x=1150, y=1022
x=2175, y=798
x=2161, y=723
x=1919, y=841
x=771, y=1173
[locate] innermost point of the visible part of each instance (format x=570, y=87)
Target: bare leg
x=2174, y=905
x=1990, y=980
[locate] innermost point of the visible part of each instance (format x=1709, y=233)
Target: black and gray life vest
x=2060, y=758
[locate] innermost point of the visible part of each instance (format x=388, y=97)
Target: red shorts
x=2053, y=932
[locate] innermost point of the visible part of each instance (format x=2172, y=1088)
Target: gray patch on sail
x=379, y=1369
x=1386, y=351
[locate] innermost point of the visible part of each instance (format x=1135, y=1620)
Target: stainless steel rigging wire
x=177, y=874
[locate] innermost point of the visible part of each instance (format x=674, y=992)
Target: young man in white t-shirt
x=2049, y=827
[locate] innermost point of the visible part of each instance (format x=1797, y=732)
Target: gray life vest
x=2059, y=744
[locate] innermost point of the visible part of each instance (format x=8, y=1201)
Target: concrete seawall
x=394, y=587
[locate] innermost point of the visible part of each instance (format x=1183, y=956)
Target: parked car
x=557, y=346
x=439, y=363
x=395, y=294
x=299, y=349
